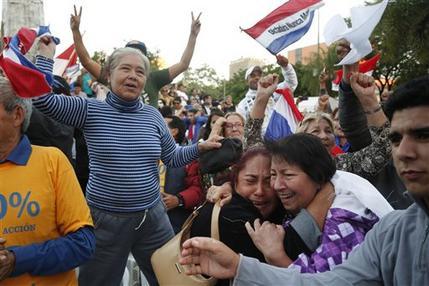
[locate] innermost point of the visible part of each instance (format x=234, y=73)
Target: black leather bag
x=217, y=160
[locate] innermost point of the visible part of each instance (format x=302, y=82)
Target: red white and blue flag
x=285, y=117
x=26, y=79
x=285, y=25
x=66, y=60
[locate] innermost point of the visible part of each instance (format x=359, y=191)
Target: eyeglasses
x=232, y=125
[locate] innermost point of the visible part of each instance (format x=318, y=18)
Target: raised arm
x=291, y=79
x=85, y=59
x=183, y=65
x=351, y=115
x=70, y=110
x=370, y=160
x=253, y=126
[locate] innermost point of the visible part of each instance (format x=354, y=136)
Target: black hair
x=60, y=86
x=176, y=122
x=208, y=126
x=166, y=111
x=411, y=94
x=308, y=153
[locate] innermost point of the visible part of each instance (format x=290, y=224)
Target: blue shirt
x=21, y=153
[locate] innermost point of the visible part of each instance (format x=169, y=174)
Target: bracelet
x=375, y=110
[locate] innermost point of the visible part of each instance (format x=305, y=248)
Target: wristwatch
x=181, y=200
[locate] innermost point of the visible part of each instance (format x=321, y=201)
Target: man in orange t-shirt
x=46, y=228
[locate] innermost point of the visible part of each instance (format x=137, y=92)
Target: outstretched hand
x=75, y=19
x=210, y=144
x=203, y=255
x=196, y=25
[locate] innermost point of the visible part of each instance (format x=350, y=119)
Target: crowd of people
x=115, y=163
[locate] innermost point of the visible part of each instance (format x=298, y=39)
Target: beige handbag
x=165, y=260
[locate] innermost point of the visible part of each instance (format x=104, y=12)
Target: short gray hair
x=9, y=100
x=114, y=59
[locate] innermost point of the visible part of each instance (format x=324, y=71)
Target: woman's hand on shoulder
x=222, y=193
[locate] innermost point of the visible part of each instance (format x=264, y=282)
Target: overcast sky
x=165, y=25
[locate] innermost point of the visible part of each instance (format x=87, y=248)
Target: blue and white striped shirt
x=125, y=141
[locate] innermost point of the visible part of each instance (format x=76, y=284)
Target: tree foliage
x=100, y=57
x=204, y=79
x=156, y=62
x=402, y=37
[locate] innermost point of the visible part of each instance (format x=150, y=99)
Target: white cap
x=250, y=70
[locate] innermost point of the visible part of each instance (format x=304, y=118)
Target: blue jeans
x=118, y=234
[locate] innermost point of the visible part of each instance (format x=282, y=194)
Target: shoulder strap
x=215, y=221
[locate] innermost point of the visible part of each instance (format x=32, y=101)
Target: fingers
x=249, y=229
x=225, y=200
x=80, y=11
x=361, y=79
x=197, y=244
x=75, y=11
x=268, y=80
x=257, y=224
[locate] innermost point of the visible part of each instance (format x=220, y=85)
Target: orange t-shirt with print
x=38, y=202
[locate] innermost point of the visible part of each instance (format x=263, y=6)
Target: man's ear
x=18, y=116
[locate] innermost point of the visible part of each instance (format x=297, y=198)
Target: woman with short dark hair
x=301, y=167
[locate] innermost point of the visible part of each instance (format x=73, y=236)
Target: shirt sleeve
x=55, y=255
x=193, y=193
x=172, y=155
x=155, y=81
x=362, y=268
x=70, y=110
x=291, y=79
x=342, y=232
x=370, y=160
x=307, y=229
x=352, y=118
x=253, y=133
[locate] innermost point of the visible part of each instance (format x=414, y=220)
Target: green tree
x=204, y=79
x=156, y=62
x=308, y=75
x=402, y=37
x=99, y=57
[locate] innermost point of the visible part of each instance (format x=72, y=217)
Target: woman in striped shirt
x=126, y=139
